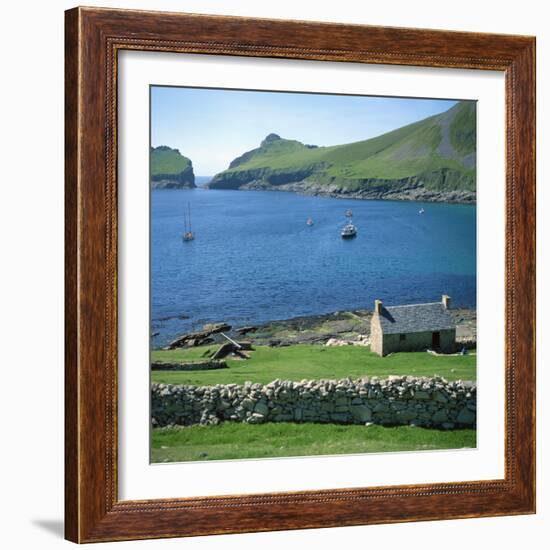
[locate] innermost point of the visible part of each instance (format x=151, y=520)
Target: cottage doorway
x=436, y=340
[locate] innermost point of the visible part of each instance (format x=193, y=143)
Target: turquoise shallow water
x=254, y=258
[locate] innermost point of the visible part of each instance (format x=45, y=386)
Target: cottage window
x=402, y=337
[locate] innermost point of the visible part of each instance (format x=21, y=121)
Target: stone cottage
x=413, y=327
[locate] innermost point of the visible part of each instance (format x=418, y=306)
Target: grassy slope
x=463, y=130
x=234, y=441
x=407, y=151
x=314, y=362
x=167, y=161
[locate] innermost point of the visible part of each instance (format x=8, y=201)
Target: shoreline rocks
x=344, y=328
x=199, y=338
x=336, y=328
x=407, y=190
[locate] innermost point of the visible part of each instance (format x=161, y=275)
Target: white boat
x=421, y=211
x=349, y=231
x=188, y=234
x=309, y=221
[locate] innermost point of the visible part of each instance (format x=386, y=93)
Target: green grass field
x=238, y=441
x=312, y=362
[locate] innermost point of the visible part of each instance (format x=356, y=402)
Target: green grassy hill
x=433, y=159
x=170, y=169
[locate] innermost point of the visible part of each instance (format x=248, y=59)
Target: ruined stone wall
x=429, y=402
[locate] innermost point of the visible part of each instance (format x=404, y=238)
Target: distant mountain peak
x=270, y=138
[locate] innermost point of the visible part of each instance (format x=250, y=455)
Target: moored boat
x=188, y=234
x=349, y=231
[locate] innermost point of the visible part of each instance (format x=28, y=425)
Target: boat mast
x=189, y=210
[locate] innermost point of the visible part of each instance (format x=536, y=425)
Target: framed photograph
x=300, y=275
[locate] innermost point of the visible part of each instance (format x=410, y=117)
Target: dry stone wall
x=211, y=364
x=429, y=402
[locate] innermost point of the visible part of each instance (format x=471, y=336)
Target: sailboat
x=188, y=234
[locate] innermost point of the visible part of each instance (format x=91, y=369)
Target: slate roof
x=415, y=318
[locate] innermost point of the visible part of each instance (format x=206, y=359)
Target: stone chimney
x=378, y=306
x=446, y=301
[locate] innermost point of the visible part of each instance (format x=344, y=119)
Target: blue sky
x=212, y=127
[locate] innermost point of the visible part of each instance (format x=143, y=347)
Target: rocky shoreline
x=336, y=328
x=167, y=182
x=352, y=327
x=407, y=191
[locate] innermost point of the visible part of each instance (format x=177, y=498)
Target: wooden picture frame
x=93, y=39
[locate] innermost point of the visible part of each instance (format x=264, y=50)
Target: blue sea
x=254, y=259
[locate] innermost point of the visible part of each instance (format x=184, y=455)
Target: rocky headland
x=170, y=169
